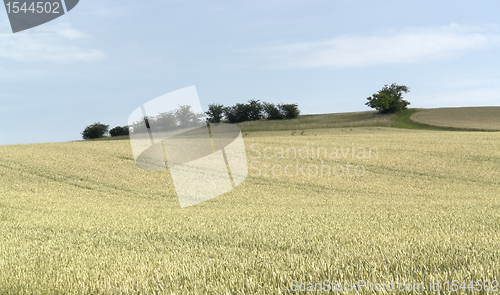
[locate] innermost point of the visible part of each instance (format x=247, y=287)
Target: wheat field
x=81, y=218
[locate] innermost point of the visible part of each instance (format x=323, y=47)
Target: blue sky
x=104, y=59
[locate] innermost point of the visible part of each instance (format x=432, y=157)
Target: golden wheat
x=81, y=218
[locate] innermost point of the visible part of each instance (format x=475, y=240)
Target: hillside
x=467, y=118
x=451, y=119
x=335, y=120
x=481, y=118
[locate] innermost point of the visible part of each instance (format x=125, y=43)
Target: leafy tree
x=238, y=113
x=119, y=130
x=390, y=99
x=255, y=109
x=164, y=121
x=96, y=130
x=185, y=117
x=271, y=111
x=182, y=117
x=215, y=113
x=289, y=111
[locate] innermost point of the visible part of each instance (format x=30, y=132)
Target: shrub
x=96, y=130
x=289, y=111
x=119, y=131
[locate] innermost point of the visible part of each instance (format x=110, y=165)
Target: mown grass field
x=449, y=119
x=480, y=118
x=335, y=120
x=81, y=218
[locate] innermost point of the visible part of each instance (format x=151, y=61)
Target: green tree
x=390, y=99
x=215, y=113
x=289, y=111
x=164, y=121
x=185, y=117
x=119, y=130
x=271, y=111
x=255, y=109
x=96, y=130
x=240, y=112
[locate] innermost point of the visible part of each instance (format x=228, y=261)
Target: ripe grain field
x=81, y=218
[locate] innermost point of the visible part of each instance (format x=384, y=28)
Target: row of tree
x=251, y=111
x=388, y=100
x=184, y=117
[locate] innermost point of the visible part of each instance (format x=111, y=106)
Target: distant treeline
x=251, y=111
x=184, y=117
x=180, y=118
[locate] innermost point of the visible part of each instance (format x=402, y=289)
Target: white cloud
x=72, y=34
x=61, y=44
x=403, y=47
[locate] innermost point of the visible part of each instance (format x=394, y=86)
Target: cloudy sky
x=104, y=59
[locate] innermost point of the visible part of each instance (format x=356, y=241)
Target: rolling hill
x=480, y=118
x=82, y=218
x=466, y=119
